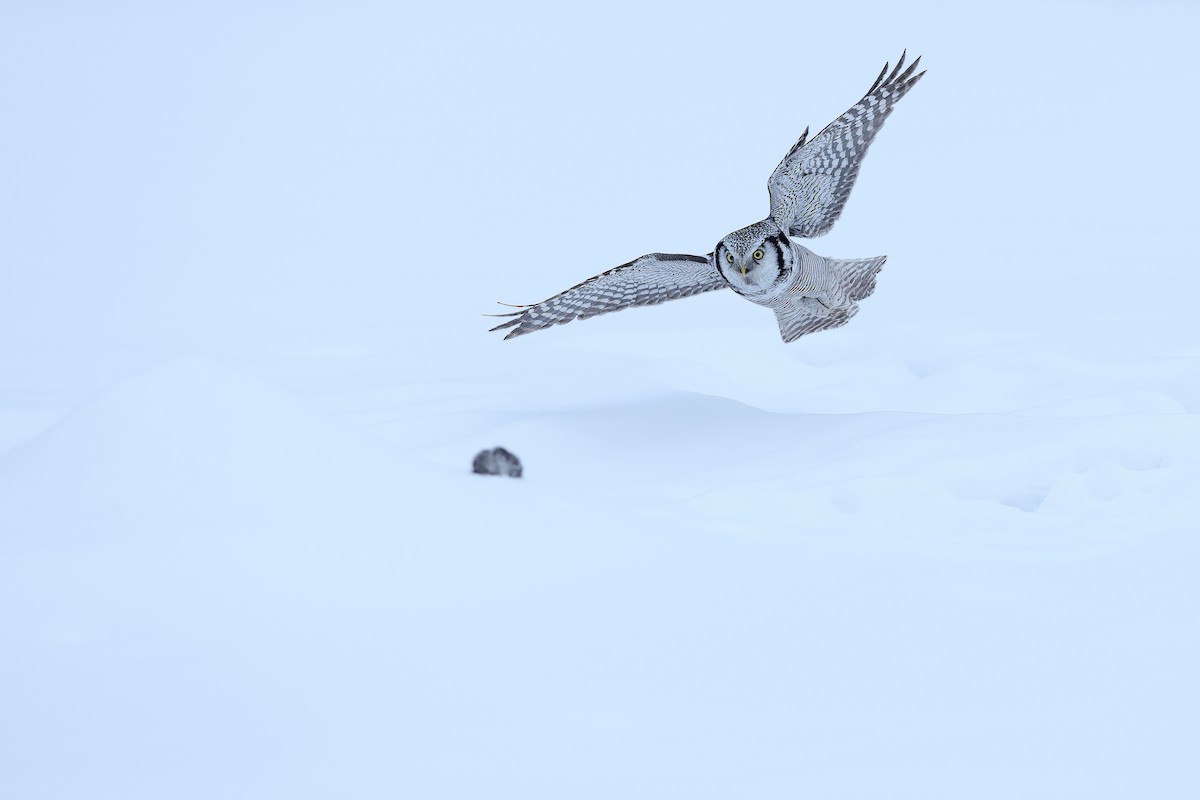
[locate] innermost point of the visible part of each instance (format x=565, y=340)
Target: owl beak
x=743, y=269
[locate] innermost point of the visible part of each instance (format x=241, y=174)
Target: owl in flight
x=761, y=262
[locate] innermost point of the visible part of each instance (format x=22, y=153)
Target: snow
x=946, y=551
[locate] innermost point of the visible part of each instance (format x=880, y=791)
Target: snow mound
x=187, y=442
x=1079, y=446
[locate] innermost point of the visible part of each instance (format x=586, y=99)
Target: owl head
x=755, y=259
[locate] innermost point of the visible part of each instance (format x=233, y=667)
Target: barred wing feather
x=810, y=186
x=652, y=279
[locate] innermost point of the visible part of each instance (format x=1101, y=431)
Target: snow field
x=948, y=551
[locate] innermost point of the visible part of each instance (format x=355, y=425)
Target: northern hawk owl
x=761, y=262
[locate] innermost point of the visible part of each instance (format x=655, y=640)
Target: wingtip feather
x=898, y=67
x=504, y=325
x=879, y=79
x=909, y=71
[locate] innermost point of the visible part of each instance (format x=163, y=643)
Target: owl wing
x=810, y=186
x=646, y=281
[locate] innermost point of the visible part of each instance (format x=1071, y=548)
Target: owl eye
x=729, y=258
x=758, y=254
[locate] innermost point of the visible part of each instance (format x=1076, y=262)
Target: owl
x=762, y=262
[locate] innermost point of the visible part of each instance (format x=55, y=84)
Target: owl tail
x=799, y=315
x=857, y=274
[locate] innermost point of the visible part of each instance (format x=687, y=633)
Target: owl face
x=754, y=260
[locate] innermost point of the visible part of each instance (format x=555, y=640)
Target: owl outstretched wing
x=810, y=186
x=646, y=281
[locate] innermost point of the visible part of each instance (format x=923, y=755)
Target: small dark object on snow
x=497, y=462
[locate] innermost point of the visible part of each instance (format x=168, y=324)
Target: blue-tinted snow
x=949, y=550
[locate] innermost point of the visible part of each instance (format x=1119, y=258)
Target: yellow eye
x=758, y=254
x=729, y=258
